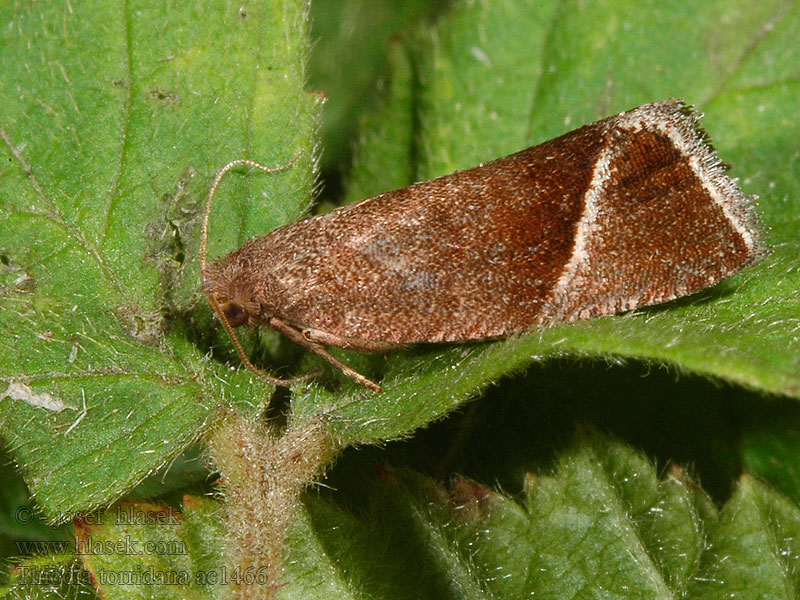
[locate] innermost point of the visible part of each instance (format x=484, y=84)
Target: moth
x=629, y=211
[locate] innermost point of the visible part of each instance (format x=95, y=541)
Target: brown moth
x=625, y=212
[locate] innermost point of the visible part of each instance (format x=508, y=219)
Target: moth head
x=231, y=293
x=226, y=284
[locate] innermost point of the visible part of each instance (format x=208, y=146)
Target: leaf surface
x=600, y=522
x=115, y=118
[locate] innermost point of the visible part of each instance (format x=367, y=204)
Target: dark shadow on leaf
x=522, y=424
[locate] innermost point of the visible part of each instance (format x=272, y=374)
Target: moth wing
x=467, y=256
x=624, y=212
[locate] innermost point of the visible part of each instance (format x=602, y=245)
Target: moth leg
x=329, y=339
x=312, y=346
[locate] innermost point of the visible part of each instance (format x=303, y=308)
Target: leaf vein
x=126, y=123
x=760, y=35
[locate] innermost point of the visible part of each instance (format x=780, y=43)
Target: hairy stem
x=263, y=473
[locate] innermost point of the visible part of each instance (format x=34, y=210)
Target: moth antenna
x=217, y=179
x=240, y=351
x=203, y=244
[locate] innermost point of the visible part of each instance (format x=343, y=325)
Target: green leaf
x=760, y=529
x=351, y=38
x=114, y=119
x=51, y=577
x=386, y=149
x=602, y=521
x=141, y=550
x=20, y=524
x=602, y=524
x=495, y=77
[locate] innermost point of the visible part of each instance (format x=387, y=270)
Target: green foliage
x=113, y=121
x=350, y=43
x=601, y=521
x=112, y=129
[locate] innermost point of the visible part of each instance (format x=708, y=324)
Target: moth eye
x=235, y=314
